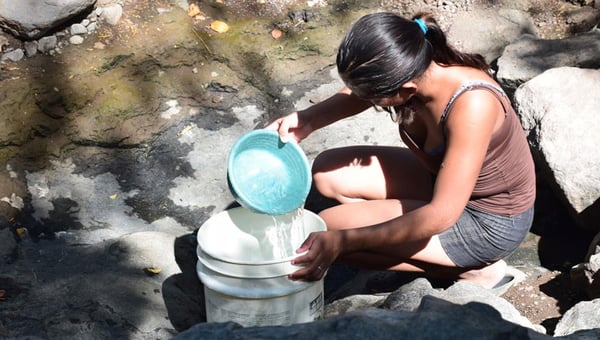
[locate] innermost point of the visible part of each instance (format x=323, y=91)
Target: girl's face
x=398, y=106
x=401, y=97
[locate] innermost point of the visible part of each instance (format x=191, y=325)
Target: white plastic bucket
x=245, y=284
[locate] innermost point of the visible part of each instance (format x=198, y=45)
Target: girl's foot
x=487, y=277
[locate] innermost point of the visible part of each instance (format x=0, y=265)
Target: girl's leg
x=376, y=184
x=360, y=173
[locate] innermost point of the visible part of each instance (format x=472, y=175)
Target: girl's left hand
x=323, y=248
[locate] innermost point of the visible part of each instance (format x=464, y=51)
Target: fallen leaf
x=193, y=10
x=276, y=34
x=151, y=271
x=185, y=129
x=113, y=196
x=219, y=26
x=21, y=231
x=2, y=293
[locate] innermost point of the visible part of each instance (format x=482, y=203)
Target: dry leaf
x=21, y=231
x=276, y=34
x=219, y=26
x=2, y=294
x=193, y=10
x=113, y=196
x=151, y=271
x=185, y=129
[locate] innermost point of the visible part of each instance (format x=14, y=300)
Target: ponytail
x=445, y=54
x=383, y=51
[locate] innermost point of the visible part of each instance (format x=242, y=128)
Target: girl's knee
x=323, y=182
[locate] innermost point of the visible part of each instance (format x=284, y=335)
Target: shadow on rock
x=183, y=293
x=560, y=288
x=563, y=243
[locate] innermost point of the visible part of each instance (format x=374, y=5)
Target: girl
x=458, y=199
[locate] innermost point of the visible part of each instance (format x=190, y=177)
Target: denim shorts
x=481, y=238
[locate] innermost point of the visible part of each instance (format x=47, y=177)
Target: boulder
x=489, y=31
x=31, y=19
x=560, y=116
x=435, y=318
x=530, y=56
x=583, y=316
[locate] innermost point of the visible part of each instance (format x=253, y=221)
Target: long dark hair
x=383, y=51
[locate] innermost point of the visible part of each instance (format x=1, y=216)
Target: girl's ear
x=410, y=87
x=407, y=91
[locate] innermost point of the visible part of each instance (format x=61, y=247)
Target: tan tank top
x=506, y=182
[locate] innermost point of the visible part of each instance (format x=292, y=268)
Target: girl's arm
x=299, y=125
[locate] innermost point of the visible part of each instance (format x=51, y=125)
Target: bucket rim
x=249, y=263
x=253, y=270
x=226, y=285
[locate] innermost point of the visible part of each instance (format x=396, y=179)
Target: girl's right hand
x=290, y=127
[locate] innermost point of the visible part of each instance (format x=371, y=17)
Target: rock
x=351, y=304
x=434, y=319
x=530, y=56
x=463, y=292
x=100, y=290
x=14, y=55
x=112, y=14
x=31, y=48
x=408, y=297
x=146, y=250
x=489, y=31
x=76, y=40
x=46, y=44
x=583, y=316
x=32, y=19
x=78, y=29
x=92, y=27
x=547, y=105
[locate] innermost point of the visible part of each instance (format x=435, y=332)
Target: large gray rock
x=31, y=19
x=584, y=315
x=434, y=319
x=530, y=56
x=489, y=31
x=103, y=291
x=409, y=297
x=559, y=111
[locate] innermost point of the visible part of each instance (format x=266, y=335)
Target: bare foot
x=486, y=277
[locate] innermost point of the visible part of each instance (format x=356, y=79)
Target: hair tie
x=421, y=24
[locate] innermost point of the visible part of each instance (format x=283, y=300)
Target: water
x=284, y=235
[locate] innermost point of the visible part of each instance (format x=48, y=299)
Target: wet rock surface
x=114, y=149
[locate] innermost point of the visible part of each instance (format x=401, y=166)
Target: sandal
x=511, y=277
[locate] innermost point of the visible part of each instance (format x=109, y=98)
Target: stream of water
x=285, y=235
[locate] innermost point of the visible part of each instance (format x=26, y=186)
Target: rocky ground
x=545, y=256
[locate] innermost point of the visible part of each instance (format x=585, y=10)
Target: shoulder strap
x=495, y=90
